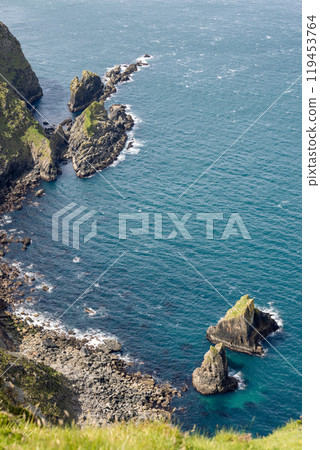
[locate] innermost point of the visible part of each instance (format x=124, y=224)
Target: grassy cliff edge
x=18, y=433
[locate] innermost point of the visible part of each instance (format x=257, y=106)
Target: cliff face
x=212, y=377
x=23, y=144
x=15, y=68
x=96, y=139
x=243, y=327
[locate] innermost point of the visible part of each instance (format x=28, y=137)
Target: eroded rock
x=84, y=91
x=243, y=327
x=212, y=377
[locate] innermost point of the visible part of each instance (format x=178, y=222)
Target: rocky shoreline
x=92, y=384
x=102, y=389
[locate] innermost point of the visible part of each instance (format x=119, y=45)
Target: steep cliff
x=23, y=144
x=15, y=68
x=243, y=327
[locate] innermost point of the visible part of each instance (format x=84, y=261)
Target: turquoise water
x=216, y=67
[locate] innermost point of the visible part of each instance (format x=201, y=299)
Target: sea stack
x=243, y=327
x=84, y=91
x=212, y=377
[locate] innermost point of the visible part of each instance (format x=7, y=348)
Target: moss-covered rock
x=212, y=377
x=96, y=140
x=243, y=327
x=27, y=386
x=23, y=144
x=15, y=68
x=84, y=91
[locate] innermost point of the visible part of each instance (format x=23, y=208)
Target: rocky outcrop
x=212, y=377
x=15, y=68
x=85, y=91
x=243, y=327
x=23, y=144
x=120, y=74
x=96, y=139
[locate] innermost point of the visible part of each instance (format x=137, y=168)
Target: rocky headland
x=243, y=328
x=212, y=377
x=15, y=68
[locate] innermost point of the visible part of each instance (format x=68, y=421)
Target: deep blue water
x=216, y=67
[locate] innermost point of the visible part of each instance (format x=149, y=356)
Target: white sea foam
x=44, y=320
x=76, y=259
x=5, y=219
x=239, y=377
x=274, y=313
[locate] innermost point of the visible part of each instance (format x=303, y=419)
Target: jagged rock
x=96, y=140
x=15, y=68
x=212, y=377
x=117, y=113
x=243, y=327
x=84, y=91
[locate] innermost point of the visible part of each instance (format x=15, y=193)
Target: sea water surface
x=216, y=67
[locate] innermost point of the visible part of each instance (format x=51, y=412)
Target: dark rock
x=212, y=377
x=84, y=91
x=15, y=68
x=26, y=241
x=243, y=327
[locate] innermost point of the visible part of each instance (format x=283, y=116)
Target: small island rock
x=212, y=377
x=243, y=327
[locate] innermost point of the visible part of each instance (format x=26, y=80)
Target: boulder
x=243, y=327
x=212, y=377
x=96, y=140
x=110, y=345
x=84, y=91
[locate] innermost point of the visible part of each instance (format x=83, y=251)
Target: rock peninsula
x=97, y=138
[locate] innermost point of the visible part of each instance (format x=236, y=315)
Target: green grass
x=240, y=307
x=17, y=433
x=41, y=385
x=91, y=116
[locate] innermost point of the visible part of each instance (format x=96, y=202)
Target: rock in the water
x=212, y=377
x=243, y=327
x=15, y=68
x=96, y=140
x=39, y=193
x=85, y=91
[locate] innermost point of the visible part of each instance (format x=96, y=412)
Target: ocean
x=216, y=66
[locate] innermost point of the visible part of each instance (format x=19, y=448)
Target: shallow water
x=216, y=67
